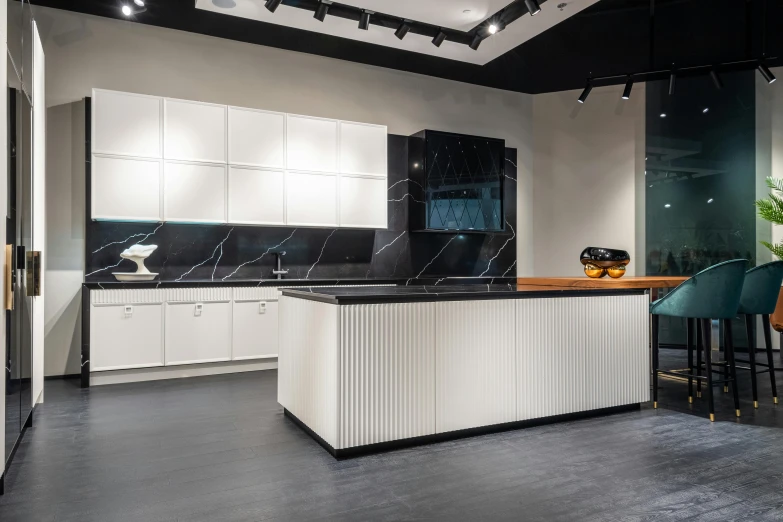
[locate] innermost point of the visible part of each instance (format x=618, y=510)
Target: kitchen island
x=368, y=369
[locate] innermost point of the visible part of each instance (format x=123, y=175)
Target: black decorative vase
x=599, y=262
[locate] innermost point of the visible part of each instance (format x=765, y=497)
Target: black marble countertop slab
x=200, y=283
x=450, y=292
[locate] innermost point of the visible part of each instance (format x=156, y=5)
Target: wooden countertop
x=604, y=283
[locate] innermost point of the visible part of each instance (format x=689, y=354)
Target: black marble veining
x=451, y=292
x=231, y=253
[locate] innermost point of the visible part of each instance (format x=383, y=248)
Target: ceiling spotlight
x=710, y=200
x=272, y=5
x=628, y=87
x=321, y=11
x=139, y=3
x=126, y=10
x=705, y=110
x=364, y=20
x=533, y=7
x=672, y=82
x=586, y=92
x=663, y=115
x=402, y=30
x=716, y=79
x=439, y=38
x=766, y=73
x=493, y=29
x=667, y=205
x=476, y=42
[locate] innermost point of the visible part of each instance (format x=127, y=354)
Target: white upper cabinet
x=256, y=196
x=126, y=124
x=311, y=144
x=125, y=188
x=311, y=199
x=194, y=131
x=363, y=202
x=363, y=149
x=256, y=138
x=194, y=193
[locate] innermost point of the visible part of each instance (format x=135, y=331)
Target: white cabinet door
x=311, y=199
x=255, y=330
x=126, y=124
x=194, y=131
x=126, y=336
x=363, y=149
x=256, y=196
x=194, y=193
x=256, y=138
x=125, y=189
x=198, y=332
x=311, y=144
x=363, y=202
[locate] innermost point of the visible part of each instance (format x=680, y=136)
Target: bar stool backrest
x=761, y=288
x=713, y=293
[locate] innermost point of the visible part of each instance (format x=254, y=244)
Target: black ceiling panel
x=612, y=37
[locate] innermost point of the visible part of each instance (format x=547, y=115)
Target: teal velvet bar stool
x=713, y=293
x=759, y=297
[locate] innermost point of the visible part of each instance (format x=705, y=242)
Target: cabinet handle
x=128, y=311
x=199, y=308
x=262, y=307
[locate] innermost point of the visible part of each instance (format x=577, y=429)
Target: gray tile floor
x=219, y=449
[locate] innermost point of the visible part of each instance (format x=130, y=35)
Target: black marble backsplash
x=235, y=253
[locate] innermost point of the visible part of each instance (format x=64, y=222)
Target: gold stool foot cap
x=776, y=400
x=725, y=389
x=712, y=417
x=698, y=394
x=738, y=413
x=655, y=405
x=690, y=400
x=755, y=404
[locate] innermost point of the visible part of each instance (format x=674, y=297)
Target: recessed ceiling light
x=710, y=200
x=224, y=4
x=139, y=3
x=663, y=115
x=466, y=11
x=705, y=110
x=493, y=28
x=126, y=10
x=667, y=205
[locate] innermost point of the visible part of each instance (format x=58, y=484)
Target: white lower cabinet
x=126, y=330
x=254, y=333
x=198, y=332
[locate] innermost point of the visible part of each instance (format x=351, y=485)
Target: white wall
x=588, y=178
x=83, y=52
x=39, y=208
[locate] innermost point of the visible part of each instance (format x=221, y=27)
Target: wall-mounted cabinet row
x=151, y=328
x=160, y=159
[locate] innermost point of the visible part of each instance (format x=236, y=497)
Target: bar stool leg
x=770, y=361
x=725, y=363
x=752, y=358
x=655, y=359
x=728, y=340
x=689, y=333
x=699, y=345
x=705, y=336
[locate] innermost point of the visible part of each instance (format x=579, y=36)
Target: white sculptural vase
x=137, y=254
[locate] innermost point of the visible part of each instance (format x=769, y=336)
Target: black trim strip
x=28, y=423
x=458, y=434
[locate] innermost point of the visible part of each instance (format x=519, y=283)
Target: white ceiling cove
x=444, y=13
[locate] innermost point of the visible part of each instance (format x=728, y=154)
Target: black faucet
x=279, y=272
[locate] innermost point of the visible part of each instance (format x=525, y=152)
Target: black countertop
x=450, y=292
x=199, y=283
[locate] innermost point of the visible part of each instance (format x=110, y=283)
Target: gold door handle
x=33, y=271
x=9, y=274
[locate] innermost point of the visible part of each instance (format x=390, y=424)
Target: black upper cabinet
x=456, y=182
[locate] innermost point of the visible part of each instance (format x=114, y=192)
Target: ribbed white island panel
x=476, y=363
x=387, y=370
x=307, y=381
x=582, y=353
